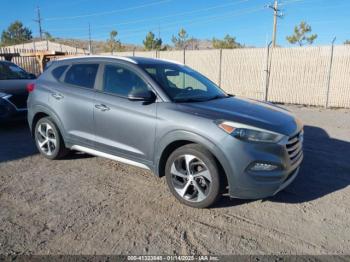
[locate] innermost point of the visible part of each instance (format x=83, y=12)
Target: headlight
x=251, y=134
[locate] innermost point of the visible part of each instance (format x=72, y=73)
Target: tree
x=302, y=35
x=180, y=40
x=16, y=33
x=347, y=42
x=48, y=36
x=151, y=42
x=113, y=44
x=228, y=42
x=192, y=43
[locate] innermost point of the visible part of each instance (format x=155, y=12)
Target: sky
x=250, y=21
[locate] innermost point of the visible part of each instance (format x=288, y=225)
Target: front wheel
x=193, y=176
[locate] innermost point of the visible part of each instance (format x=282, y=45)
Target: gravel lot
x=90, y=205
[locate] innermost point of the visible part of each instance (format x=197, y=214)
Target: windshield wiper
x=217, y=97
x=187, y=100
x=202, y=99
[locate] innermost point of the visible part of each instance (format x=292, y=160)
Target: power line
x=184, y=13
x=291, y=2
x=190, y=21
x=207, y=19
x=155, y=18
x=107, y=12
x=65, y=5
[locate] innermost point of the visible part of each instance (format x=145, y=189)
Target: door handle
x=102, y=107
x=57, y=96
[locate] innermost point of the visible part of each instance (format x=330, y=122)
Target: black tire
x=203, y=155
x=57, y=150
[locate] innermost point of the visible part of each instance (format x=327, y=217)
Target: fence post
x=329, y=72
x=267, y=71
x=220, y=65
x=184, y=58
x=34, y=46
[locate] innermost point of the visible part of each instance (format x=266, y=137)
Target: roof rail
x=171, y=61
x=100, y=56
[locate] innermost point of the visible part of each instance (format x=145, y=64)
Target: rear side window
x=58, y=71
x=82, y=75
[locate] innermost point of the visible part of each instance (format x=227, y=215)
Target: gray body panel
x=142, y=131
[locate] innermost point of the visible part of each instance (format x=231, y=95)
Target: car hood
x=246, y=111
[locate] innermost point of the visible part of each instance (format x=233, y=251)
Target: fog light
x=263, y=167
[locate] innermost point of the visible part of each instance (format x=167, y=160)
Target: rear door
x=73, y=101
x=124, y=128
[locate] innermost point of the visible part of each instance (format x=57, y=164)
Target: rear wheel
x=48, y=139
x=193, y=176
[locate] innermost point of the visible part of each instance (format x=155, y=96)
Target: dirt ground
x=90, y=205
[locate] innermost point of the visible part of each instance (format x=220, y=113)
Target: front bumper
x=9, y=112
x=247, y=184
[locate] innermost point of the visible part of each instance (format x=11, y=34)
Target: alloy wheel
x=191, y=178
x=46, y=138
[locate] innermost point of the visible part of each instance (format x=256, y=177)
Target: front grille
x=295, y=147
x=20, y=101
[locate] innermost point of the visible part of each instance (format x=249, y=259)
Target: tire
x=201, y=188
x=48, y=139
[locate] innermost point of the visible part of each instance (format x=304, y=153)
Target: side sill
x=109, y=156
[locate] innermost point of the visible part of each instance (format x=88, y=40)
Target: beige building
x=46, y=45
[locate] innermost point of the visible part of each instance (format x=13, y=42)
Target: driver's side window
x=182, y=80
x=121, y=81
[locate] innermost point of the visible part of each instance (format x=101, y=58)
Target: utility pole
x=276, y=14
x=90, y=46
x=158, y=30
x=39, y=21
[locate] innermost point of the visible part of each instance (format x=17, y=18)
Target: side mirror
x=142, y=95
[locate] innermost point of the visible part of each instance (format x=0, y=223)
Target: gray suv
x=166, y=117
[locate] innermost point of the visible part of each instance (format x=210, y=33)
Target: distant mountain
x=97, y=46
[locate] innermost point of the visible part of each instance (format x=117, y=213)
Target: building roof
x=45, y=45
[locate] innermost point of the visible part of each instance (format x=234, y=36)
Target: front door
x=122, y=127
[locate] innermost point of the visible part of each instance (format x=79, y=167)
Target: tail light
x=30, y=87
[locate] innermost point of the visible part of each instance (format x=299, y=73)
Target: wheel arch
x=176, y=139
x=41, y=112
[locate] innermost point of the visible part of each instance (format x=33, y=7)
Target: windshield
x=183, y=84
x=12, y=71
